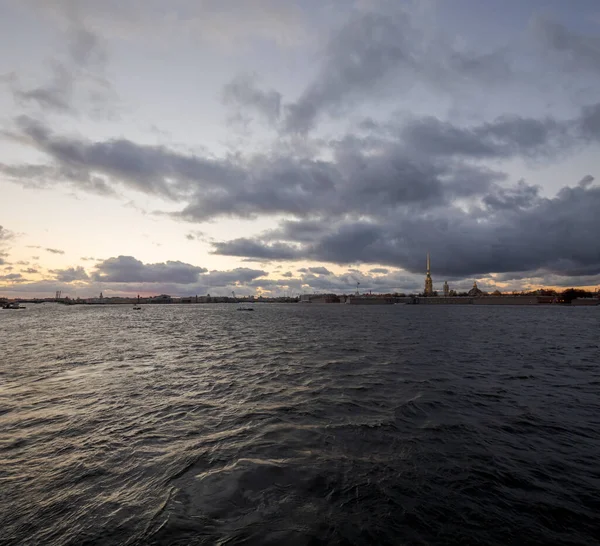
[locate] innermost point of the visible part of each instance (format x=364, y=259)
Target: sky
x=279, y=148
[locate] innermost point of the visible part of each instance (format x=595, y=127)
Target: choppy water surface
x=299, y=424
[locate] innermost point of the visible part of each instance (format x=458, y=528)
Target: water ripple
x=299, y=425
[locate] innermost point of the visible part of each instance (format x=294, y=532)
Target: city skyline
x=271, y=148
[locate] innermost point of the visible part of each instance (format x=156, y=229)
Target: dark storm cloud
x=428, y=164
x=70, y=274
x=516, y=230
x=356, y=182
x=243, y=94
x=425, y=164
x=54, y=251
x=127, y=269
x=518, y=197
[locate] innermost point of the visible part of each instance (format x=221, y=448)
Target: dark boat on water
x=12, y=305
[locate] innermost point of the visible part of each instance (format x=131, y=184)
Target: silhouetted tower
x=446, y=289
x=428, y=282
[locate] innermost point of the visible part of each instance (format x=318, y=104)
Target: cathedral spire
x=428, y=282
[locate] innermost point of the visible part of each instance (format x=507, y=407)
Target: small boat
x=137, y=306
x=12, y=305
x=241, y=306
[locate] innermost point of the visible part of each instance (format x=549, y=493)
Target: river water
x=299, y=424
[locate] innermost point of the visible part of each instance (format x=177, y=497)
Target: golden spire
x=428, y=282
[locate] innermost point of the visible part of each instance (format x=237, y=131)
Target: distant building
x=428, y=282
x=475, y=292
x=163, y=298
x=446, y=289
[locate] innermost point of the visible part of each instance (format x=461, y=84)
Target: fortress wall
x=506, y=300
x=445, y=300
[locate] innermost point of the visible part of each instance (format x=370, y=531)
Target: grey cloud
x=127, y=269
x=255, y=249
x=86, y=48
x=287, y=274
x=586, y=181
x=354, y=183
x=346, y=282
x=54, y=251
x=516, y=231
x=428, y=164
x=196, y=236
x=55, y=94
x=357, y=58
x=319, y=270
x=577, y=51
x=521, y=196
x=45, y=176
x=29, y=270
x=79, y=76
x=590, y=122
x=242, y=93
x=381, y=270
x=5, y=234
x=12, y=277
x=88, y=259
x=70, y=274
x=150, y=169
x=381, y=52
x=503, y=138
x=240, y=275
